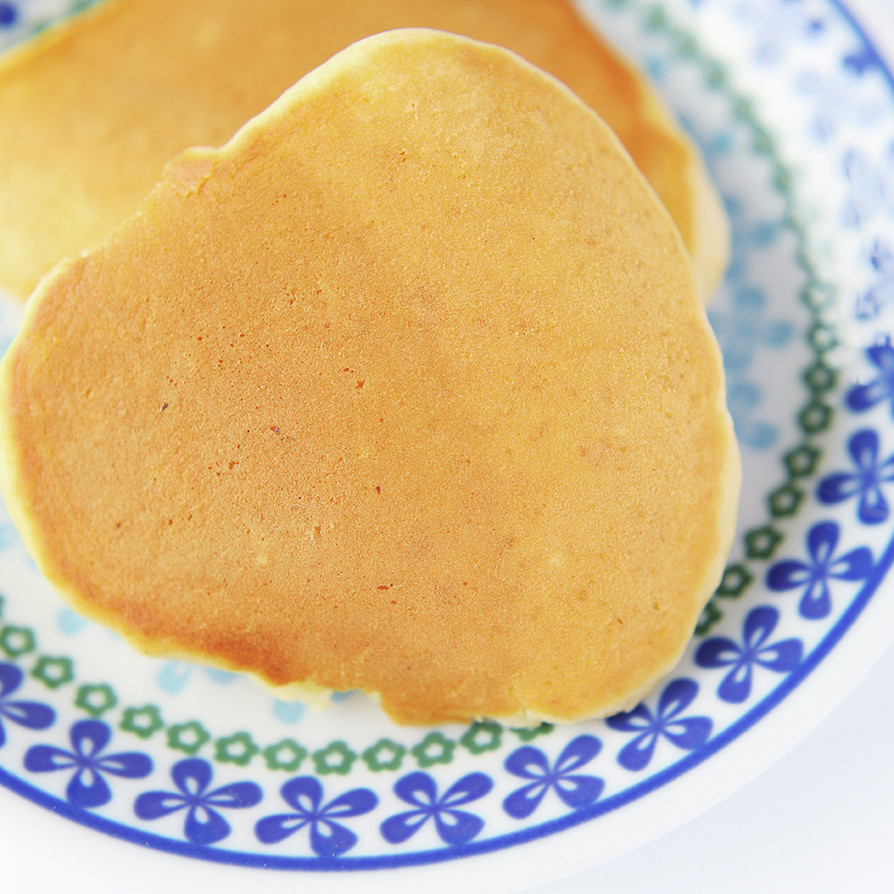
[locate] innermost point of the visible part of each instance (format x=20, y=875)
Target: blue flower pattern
x=872, y=188
x=864, y=397
x=687, y=733
x=9, y=15
x=744, y=329
x=824, y=565
x=88, y=786
x=865, y=482
x=288, y=712
x=833, y=103
x=755, y=650
x=204, y=823
x=454, y=826
x=8, y=533
x=862, y=59
x=779, y=25
x=32, y=715
x=879, y=297
x=329, y=837
x=749, y=234
x=574, y=789
x=743, y=398
x=70, y=622
x=174, y=675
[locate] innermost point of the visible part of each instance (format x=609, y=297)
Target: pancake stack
x=406, y=388
x=93, y=110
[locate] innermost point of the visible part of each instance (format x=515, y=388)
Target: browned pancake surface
x=406, y=389
x=91, y=115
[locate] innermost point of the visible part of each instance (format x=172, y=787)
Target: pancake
x=407, y=388
x=93, y=109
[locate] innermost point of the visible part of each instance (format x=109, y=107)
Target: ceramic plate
x=207, y=772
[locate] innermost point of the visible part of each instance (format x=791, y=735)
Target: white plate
x=795, y=113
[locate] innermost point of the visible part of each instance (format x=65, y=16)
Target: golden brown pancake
x=407, y=389
x=93, y=110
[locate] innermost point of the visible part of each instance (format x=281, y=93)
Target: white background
x=821, y=820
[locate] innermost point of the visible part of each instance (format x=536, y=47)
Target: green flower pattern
x=96, y=699
x=142, y=722
x=188, y=737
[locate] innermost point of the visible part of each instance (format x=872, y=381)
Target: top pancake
x=407, y=388
x=93, y=110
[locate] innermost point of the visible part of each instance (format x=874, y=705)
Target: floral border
x=203, y=805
